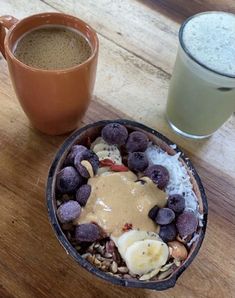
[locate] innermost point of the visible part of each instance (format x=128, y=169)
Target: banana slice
x=128, y=238
x=150, y=274
x=104, y=146
x=144, y=252
x=97, y=141
x=103, y=150
x=145, y=256
x=109, y=155
x=99, y=145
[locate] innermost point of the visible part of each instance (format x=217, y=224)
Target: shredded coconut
x=179, y=182
x=194, y=239
x=200, y=220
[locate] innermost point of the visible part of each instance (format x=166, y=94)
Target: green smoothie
x=200, y=100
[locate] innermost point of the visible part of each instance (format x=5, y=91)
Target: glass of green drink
x=202, y=89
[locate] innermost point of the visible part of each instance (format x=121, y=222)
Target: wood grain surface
x=138, y=47
x=182, y=9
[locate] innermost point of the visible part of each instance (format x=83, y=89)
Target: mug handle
x=6, y=22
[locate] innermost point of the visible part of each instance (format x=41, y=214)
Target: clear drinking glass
x=201, y=98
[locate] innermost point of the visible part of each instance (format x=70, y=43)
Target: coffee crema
x=52, y=48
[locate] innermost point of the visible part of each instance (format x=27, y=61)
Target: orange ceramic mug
x=53, y=100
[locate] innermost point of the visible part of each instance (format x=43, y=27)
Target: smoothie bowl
x=127, y=204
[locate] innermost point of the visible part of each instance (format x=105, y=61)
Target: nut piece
x=182, y=240
x=88, y=167
x=97, y=262
x=90, y=258
x=178, y=251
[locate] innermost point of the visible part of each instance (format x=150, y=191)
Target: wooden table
x=138, y=43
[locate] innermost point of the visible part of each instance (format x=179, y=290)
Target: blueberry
x=114, y=134
x=165, y=216
x=153, y=212
x=158, y=174
x=68, y=180
x=87, y=232
x=137, y=142
x=83, y=194
x=176, y=203
x=186, y=223
x=90, y=156
x=168, y=232
x=68, y=211
x=76, y=149
x=137, y=161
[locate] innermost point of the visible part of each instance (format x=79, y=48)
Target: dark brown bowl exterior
x=90, y=132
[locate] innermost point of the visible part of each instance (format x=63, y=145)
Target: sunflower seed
x=104, y=268
x=177, y=262
x=90, y=258
x=106, y=262
x=123, y=269
x=127, y=276
x=86, y=255
x=107, y=255
x=69, y=236
x=97, y=262
x=110, y=273
x=110, y=246
x=117, y=257
x=91, y=248
x=66, y=197
x=100, y=249
x=58, y=203
x=100, y=258
x=67, y=226
x=114, y=267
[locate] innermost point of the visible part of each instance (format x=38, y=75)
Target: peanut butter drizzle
x=116, y=199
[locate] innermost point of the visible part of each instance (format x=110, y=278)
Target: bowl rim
x=154, y=285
